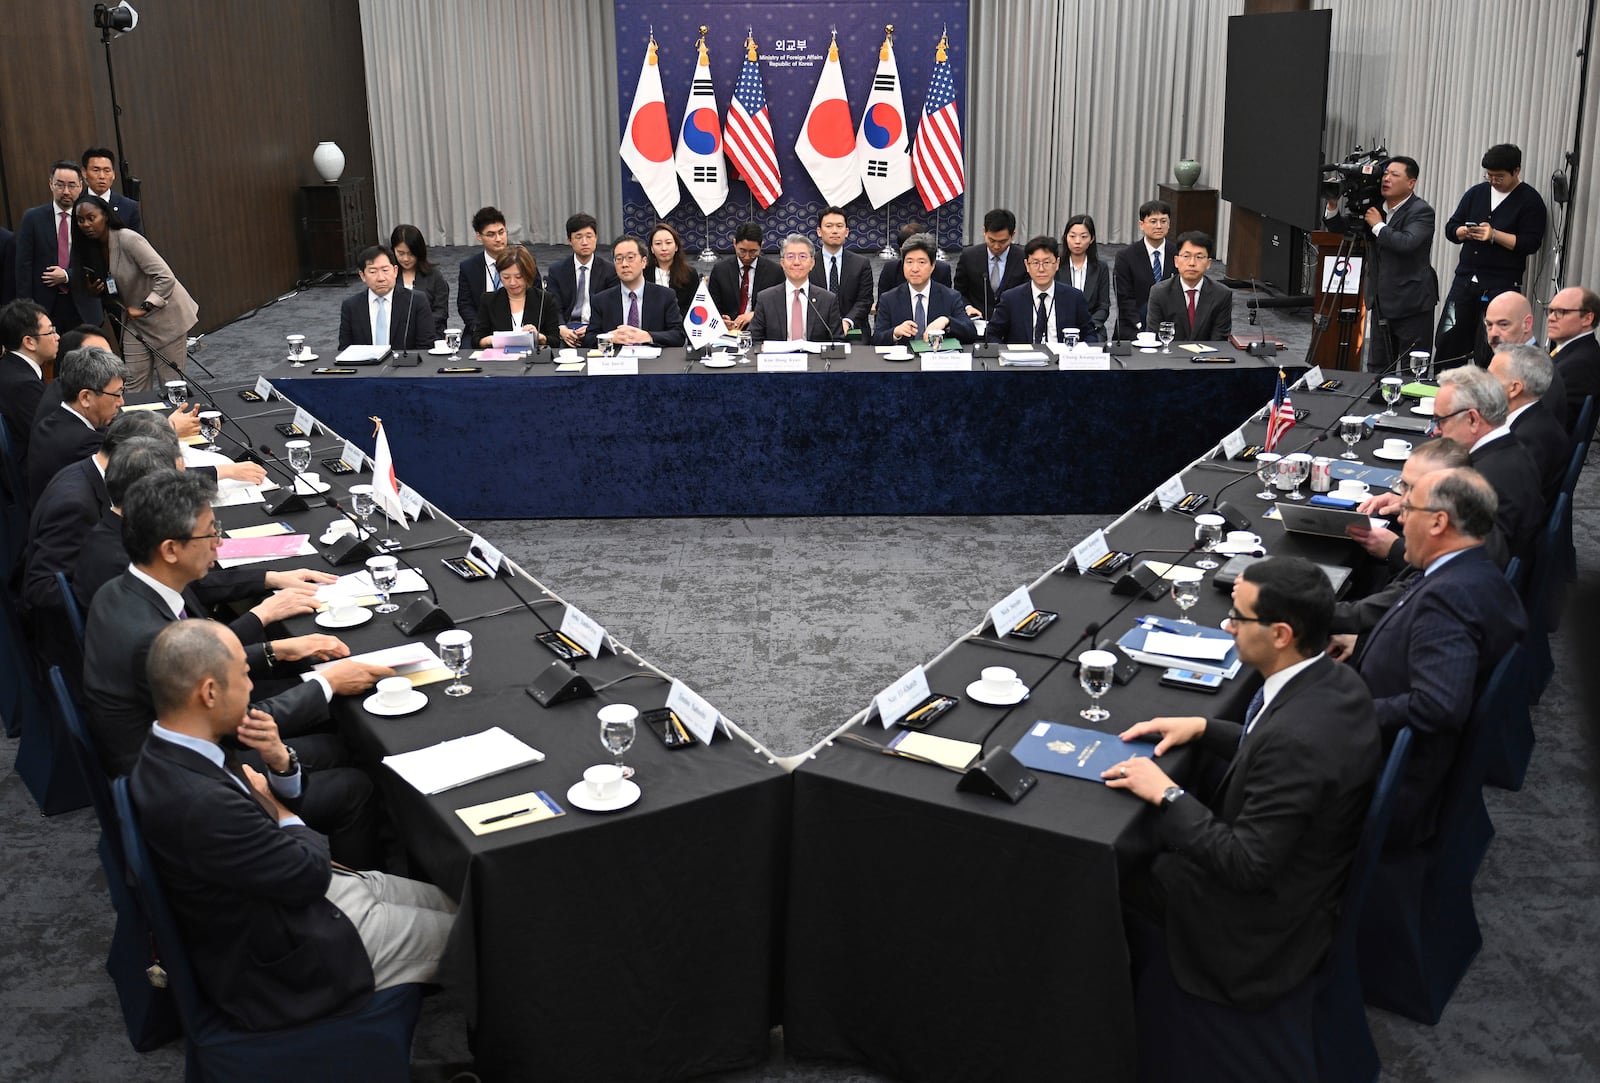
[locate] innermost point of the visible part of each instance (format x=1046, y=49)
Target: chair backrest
x=1513, y=574
x=1546, y=558
x=69, y=604
x=1464, y=784
x=1583, y=431
x=147, y=888
x=83, y=750
x=1569, y=480
x=1370, y=847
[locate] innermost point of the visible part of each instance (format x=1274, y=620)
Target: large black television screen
x=1276, y=108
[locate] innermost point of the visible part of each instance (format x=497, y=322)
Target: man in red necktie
x=45, y=270
x=1200, y=308
x=737, y=279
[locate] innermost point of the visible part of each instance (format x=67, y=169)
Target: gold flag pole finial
x=750, y=43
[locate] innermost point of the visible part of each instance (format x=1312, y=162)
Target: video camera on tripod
x=1356, y=183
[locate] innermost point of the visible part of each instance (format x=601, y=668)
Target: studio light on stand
x=117, y=19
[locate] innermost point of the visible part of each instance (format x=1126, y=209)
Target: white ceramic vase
x=329, y=161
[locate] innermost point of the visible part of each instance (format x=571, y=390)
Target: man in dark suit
x=984, y=272
x=30, y=341
x=1573, y=315
x=1524, y=372
x=735, y=280
x=477, y=276
x=99, y=174
x=797, y=309
x=1401, y=285
x=634, y=312
x=920, y=305
x=1038, y=311
x=91, y=394
x=1140, y=266
x=171, y=536
x=574, y=281
x=891, y=276
x=843, y=273
x=382, y=314
x=1428, y=658
x=1238, y=912
x=46, y=259
x=277, y=935
x=1200, y=308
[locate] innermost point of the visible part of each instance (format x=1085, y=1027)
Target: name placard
x=264, y=388
x=621, y=365
x=893, y=702
x=1232, y=444
x=1314, y=377
x=1009, y=611
x=1084, y=362
x=352, y=456
x=1170, y=492
x=582, y=631
x=411, y=503
x=1089, y=550
x=486, y=554
x=304, y=422
x=782, y=362
x=946, y=361
x=694, y=712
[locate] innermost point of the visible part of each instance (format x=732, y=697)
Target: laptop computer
x=1321, y=521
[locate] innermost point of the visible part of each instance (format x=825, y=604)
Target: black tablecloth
x=865, y=437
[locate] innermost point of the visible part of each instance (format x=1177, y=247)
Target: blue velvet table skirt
x=823, y=443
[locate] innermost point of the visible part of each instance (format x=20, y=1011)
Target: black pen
x=504, y=816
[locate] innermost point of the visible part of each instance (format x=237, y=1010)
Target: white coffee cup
x=349, y=614
x=1354, y=488
x=998, y=680
x=394, y=691
x=603, y=781
x=336, y=530
x=309, y=482
x=1243, y=539
x=441, y=345
x=1396, y=447
x=570, y=353
x=1145, y=338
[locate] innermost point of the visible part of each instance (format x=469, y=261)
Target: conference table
x=857, y=435
x=640, y=944
x=943, y=935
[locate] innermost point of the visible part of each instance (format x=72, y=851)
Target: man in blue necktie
x=1140, y=266
x=381, y=314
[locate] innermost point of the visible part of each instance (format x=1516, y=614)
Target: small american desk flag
x=1280, y=419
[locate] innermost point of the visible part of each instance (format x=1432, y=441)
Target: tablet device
x=1323, y=522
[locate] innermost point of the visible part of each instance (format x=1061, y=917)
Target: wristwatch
x=1171, y=794
x=294, y=767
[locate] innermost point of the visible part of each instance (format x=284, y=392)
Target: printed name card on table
x=1314, y=377
x=583, y=631
x=947, y=361
x=304, y=422
x=1170, y=492
x=1232, y=444
x=621, y=365
x=412, y=504
x=1090, y=550
x=893, y=702
x=694, y=712
x=782, y=362
x=352, y=456
x=1082, y=358
x=486, y=554
x=264, y=388
x=1010, y=610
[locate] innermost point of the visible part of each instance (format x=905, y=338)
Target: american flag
x=1280, y=419
x=936, y=158
x=748, y=134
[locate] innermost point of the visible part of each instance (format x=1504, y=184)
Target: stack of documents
x=453, y=763
x=1195, y=647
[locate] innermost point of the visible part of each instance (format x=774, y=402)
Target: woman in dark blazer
x=669, y=267
x=1081, y=267
x=515, y=307
x=417, y=273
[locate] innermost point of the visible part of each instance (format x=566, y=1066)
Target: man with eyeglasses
x=1429, y=657
x=91, y=382
x=1525, y=372
x=1199, y=308
x=796, y=309
x=46, y=260
x=172, y=536
x=1038, y=310
x=634, y=312
x=1570, y=323
x=30, y=341
x=1237, y=912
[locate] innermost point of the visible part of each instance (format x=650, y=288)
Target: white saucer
x=1379, y=453
x=304, y=488
x=1425, y=411
x=1238, y=550
x=325, y=619
x=440, y=353
x=719, y=361
x=304, y=358
x=906, y=356
x=978, y=692
x=418, y=701
x=627, y=794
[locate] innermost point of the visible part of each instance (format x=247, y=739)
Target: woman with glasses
x=149, y=306
x=513, y=307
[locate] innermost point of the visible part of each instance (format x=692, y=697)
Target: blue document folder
x=1072, y=750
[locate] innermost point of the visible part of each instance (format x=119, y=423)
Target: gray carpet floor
x=761, y=614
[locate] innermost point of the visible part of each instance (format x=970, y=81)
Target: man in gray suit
x=1402, y=288
x=796, y=309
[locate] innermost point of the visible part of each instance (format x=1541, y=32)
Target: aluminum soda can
x=1321, y=474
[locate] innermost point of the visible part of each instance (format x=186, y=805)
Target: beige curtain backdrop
x=1073, y=106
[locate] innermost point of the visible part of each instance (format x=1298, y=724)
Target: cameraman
x=1499, y=223
x=1401, y=286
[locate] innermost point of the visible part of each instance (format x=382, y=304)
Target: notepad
x=941, y=750
x=261, y=547
x=508, y=812
x=453, y=763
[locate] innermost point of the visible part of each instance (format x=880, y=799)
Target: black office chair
x=45, y=761
x=69, y=606
x=148, y=1013
x=372, y=1043
x=1544, y=596
x=1345, y=1051
x=1419, y=930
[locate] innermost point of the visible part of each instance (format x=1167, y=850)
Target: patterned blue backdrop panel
x=792, y=42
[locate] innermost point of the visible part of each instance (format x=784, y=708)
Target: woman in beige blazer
x=146, y=301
